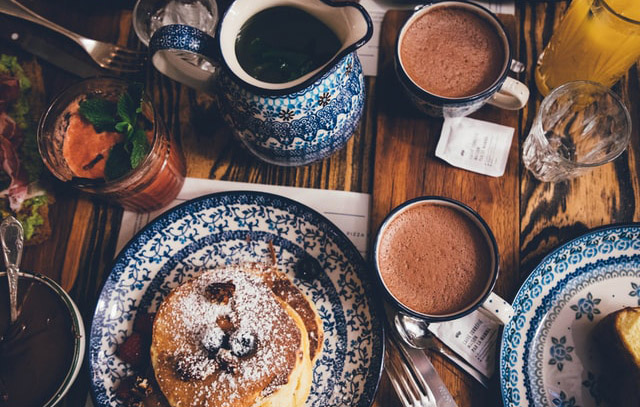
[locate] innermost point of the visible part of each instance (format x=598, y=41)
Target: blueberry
x=307, y=268
x=242, y=343
x=213, y=339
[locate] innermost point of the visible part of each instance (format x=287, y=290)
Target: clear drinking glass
x=154, y=183
x=579, y=126
x=149, y=15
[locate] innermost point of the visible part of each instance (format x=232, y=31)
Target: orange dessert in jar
x=105, y=138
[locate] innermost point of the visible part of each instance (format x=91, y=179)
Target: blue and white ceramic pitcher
x=290, y=123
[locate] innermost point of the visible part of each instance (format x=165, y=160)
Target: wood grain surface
x=390, y=156
x=406, y=167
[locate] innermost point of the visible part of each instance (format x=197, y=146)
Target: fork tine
x=131, y=64
x=134, y=53
x=113, y=63
x=412, y=393
x=394, y=378
x=126, y=58
x=412, y=384
x=419, y=379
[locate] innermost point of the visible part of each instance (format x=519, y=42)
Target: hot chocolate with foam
x=452, y=52
x=434, y=259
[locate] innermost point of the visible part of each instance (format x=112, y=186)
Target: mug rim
x=424, y=94
x=482, y=225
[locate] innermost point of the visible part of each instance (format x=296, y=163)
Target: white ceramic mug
x=505, y=92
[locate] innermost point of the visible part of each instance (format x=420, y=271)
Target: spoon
x=12, y=239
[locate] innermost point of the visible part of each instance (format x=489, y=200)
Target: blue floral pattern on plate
x=562, y=400
x=590, y=276
x=586, y=306
x=560, y=352
x=635, y=292
x=233, y=227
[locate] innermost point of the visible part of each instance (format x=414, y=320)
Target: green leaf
x=118, y=163
x=129, y=103
x=126, y=108
x=100, y=113
x=124, y=127
x=140, y=147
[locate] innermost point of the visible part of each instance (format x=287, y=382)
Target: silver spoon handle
x=12, y=239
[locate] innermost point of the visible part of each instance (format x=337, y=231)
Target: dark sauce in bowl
x=281, y=44
x=36, y=352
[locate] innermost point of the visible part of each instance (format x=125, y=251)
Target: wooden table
x=391, y=156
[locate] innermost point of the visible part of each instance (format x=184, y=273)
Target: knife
x=13, y=33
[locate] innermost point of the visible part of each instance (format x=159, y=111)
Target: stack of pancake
x=236, y=336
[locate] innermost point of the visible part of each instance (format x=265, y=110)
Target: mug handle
x=498, y=308
x=169, y=41
x=512, y=95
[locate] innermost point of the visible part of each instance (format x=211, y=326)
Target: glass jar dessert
x=104, y=137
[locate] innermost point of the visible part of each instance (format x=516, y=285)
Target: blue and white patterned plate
x=547, y=356
x=233, y=227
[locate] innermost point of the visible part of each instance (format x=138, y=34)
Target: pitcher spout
x=349, y=20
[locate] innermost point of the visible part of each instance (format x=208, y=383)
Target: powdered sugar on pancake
x=252, y=308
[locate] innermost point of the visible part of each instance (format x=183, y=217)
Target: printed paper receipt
x=473, y=337
x=475, y=145
x=479, y=339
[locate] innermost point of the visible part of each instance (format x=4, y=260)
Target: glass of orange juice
x=598, y=40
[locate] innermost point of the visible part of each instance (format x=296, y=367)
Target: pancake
x=295, y=392
x=224, y=339
x=284, y=289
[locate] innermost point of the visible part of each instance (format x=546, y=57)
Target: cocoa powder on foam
x=434, y=259
x=452, y=52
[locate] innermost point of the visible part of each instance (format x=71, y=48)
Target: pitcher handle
x=168, y=39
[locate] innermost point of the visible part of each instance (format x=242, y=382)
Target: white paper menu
x=348, y=210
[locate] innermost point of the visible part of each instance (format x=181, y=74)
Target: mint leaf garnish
x=118, y=163
x=140, y=147
x=126, y=108
x=100, y=113
x=124, y=127
x=129, y=105
x=129, y=154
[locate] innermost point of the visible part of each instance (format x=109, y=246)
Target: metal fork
x=108, y=56
x=408, y=383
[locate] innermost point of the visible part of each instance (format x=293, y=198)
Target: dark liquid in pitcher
x=281, y=44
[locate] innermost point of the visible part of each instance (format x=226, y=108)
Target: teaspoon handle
x=12, y=239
